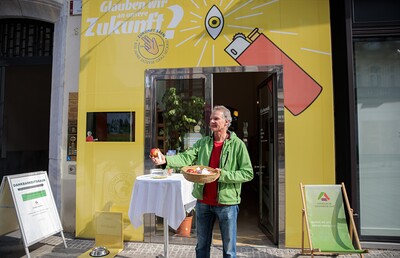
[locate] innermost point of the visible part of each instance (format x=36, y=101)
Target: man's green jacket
x=235, y=165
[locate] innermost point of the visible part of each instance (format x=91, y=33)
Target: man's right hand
x=159, y=160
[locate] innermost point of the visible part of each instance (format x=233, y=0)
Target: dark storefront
x=366, y=76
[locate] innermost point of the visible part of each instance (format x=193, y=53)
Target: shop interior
x=239, y=92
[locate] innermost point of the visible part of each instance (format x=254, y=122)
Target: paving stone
x=11, y=246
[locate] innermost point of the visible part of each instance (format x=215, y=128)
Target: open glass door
x=267, y=169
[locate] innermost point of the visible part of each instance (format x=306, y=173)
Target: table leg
x=166, y=238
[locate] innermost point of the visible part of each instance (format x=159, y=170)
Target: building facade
x=323, y=60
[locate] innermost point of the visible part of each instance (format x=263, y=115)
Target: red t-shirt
x=211, y=189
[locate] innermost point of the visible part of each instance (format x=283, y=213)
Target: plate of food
x=158, y=177
x=200, y=174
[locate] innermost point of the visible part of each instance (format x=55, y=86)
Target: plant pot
x=185, y=227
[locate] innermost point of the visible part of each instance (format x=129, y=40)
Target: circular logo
x=120, y=187
x=151, y=46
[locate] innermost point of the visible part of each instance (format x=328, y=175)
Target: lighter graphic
x=300, y=89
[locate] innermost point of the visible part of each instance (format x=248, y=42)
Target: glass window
x=110, y=126
x=377, y=73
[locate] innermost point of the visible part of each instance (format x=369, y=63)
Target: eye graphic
x=214, y=22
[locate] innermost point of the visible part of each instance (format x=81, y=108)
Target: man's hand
x=219, y=173
x=159, y=160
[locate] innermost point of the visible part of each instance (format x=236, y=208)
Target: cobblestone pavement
x=53, y=247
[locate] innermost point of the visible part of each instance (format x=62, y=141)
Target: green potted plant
x=180, y=116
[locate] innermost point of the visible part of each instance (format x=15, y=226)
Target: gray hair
x=226, y=112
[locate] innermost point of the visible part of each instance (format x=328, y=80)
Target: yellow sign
x=121, y=39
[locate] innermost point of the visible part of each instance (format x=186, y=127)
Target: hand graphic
x=150, y=45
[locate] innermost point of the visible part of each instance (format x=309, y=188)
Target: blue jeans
x=205, y=218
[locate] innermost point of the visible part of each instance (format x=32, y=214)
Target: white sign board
x=34, y=205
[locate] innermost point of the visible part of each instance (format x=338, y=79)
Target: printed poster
x=35, y=207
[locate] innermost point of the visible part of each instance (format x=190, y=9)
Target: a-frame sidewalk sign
x=29, y=197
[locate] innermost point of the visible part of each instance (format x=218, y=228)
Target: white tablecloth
x=169, y=198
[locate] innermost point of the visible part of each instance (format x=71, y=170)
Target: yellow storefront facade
x=122, y=40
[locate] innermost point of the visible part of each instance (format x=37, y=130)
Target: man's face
x=218, y=121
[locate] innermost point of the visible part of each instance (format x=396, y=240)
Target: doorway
x=25, y=93
x=240, y=89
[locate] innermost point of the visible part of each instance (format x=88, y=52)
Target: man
x=224, y=151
